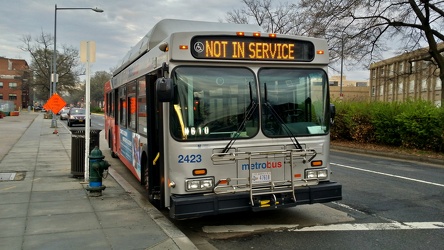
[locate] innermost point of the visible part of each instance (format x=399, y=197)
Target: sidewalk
x=44, y=207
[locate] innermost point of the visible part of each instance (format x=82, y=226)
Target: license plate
x=80, y=120
x=261, y=177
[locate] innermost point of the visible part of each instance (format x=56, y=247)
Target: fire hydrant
x=96, y=168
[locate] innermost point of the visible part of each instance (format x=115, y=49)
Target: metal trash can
x=78, y=148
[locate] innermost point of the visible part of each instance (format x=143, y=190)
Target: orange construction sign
x=55, y=103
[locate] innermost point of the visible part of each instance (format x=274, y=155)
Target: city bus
x=217, y=118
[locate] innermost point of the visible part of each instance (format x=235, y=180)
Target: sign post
x=88, y=55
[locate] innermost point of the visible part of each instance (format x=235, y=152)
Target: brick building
x=352, y=90
x=406, y=77
x=14, y=82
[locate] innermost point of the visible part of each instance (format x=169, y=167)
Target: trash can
x=78, y=148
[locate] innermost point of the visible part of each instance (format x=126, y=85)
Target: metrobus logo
x=262, y=165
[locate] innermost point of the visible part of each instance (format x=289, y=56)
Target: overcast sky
x=122, y=24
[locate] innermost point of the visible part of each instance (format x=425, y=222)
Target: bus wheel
x=152, y=197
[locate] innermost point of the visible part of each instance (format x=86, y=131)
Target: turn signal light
x=223, y=182
x=199, y=172
x=316, y=163
x=183, y=47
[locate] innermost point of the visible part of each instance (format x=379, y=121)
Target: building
x=350, y=90
x=14, y=82
x=406, y=77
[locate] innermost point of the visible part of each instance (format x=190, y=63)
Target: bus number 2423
x=189, y=158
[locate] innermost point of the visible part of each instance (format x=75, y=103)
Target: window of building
x=401, y=67
x=1, y=85
x=391, y=69
x=413, y=67
x=373, y=91
x=424, y=85
x=12, y=96
x=400, y=87
x=381, y=90
x=12, y=85
x=438, y=85
x=1, y=96
x=390, y=89
x=412, y=86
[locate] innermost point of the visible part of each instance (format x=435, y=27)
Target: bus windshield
x=213, y=102
x=294, y=101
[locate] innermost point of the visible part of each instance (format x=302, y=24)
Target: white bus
x=218, y=118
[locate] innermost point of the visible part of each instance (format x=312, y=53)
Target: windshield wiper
x=248, y=114
x=279, y=119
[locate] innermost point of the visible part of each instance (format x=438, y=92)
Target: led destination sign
x=251, y=48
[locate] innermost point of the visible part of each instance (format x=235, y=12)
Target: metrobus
x=217, y=118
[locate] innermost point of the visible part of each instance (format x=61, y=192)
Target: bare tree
x=369, y=28
x=282, y=19
x=313, y=18
x=41, y=51
x=97, y=87
x=359, y=30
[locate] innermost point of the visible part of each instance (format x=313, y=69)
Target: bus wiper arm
x=279, y=119
x=248, y=114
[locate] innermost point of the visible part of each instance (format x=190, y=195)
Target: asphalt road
x=387, y=204
x=391, y=204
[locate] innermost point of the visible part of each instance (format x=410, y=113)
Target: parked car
x=64, y=108
x=76, y=116
x=64, y=114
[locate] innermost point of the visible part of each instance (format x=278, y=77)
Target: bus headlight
x=203, y=184
x=316, y=173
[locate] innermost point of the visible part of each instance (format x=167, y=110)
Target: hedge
x=416, y=125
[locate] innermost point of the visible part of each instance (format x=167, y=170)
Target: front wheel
x=153, y=195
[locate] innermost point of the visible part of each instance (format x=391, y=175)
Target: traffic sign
x=55, y=103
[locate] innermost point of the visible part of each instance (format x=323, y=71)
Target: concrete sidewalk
x=44, y=207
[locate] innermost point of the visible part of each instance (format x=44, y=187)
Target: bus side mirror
x=164, y=89
x=332, y=113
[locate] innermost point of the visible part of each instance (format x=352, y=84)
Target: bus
x=217, y=118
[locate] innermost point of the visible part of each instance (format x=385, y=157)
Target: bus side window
x=132, y=112
x=132, y=105
x=123, y=112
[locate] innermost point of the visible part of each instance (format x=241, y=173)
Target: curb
x=399, y=156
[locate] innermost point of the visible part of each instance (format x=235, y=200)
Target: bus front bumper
x=193, y=206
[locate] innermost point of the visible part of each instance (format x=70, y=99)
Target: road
x=387, y=204
x=390, y=204
x=97, y=122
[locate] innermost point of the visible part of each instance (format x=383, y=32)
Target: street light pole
x=54, y=77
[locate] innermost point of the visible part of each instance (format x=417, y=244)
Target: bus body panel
x=255, y=171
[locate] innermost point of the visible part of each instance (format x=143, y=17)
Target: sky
x=122, y=24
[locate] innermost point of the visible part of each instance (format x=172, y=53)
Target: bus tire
x=147, y=182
